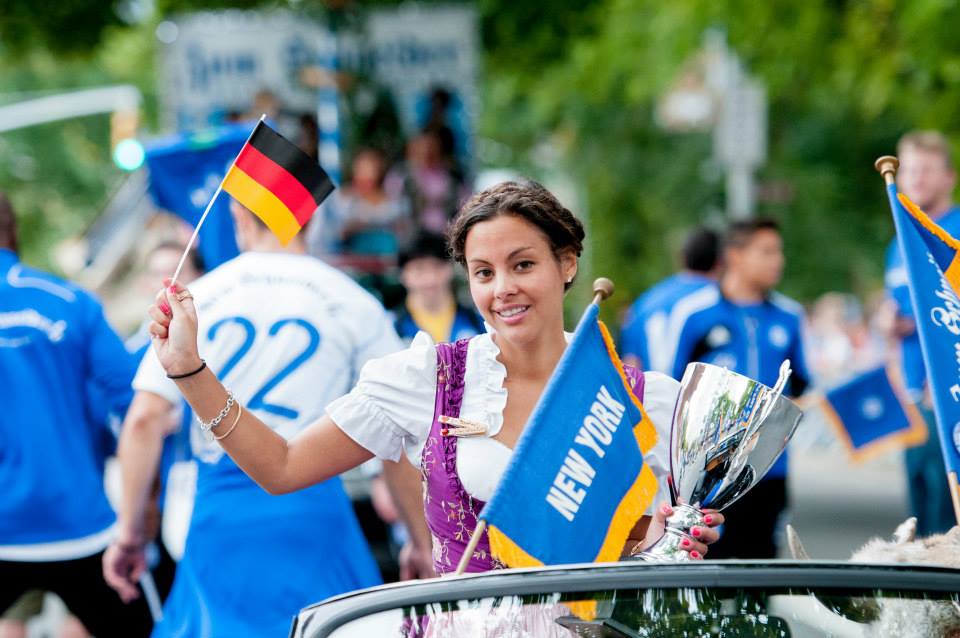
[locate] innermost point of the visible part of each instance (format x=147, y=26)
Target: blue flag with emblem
x=577, y=483
x=932, y=258
x=185, y=170
x=870, y=416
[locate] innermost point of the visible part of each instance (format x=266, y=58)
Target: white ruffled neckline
x=485, y=369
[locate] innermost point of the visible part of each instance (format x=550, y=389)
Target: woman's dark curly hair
x=527, y=200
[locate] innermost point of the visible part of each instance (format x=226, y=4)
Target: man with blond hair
x=927, y=177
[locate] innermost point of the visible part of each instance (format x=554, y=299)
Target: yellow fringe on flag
x=952, y=273
x=508, y=552
x=645, y=431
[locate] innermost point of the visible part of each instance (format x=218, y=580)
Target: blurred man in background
x=927, y=177
x=747, y=327
x=57, y=353
x=645, y=326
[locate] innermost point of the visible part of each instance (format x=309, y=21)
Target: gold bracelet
x=232, y=427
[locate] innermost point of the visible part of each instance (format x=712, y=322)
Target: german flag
x=278, y=182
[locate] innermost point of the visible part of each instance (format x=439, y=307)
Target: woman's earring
x=569, y=280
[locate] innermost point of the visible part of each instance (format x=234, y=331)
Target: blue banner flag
x=933, y=270
x=185, y=170
x=577, y=483
x=870, y=415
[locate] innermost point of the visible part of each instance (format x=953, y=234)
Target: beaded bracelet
x=206, y=426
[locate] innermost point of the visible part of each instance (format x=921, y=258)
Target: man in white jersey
x=288, y=334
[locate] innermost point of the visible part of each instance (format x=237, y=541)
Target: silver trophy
x=727, y=432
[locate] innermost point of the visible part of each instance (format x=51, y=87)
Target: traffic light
x=125, y=148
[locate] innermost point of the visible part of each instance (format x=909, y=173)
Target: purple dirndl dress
x=451, y=512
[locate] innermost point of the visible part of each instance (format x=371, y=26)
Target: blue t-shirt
x=466, y=323
x=645, y=326
x=58, y=354
x=897, y=285
x=751, y=339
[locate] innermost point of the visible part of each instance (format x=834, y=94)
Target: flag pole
x=887, y=166
x=216, y=193
x=602, y=289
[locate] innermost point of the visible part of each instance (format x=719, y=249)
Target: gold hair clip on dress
x=461, y=427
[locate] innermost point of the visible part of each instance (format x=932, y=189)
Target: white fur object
x=900, y=617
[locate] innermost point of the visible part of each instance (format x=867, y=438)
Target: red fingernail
x=696, y=532
x=666, y=509
x=685, y=542
x=707, y=519
x=165, y=308
x=172, y=289
x=695, y=554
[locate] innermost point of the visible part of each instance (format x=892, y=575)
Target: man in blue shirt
x=928, y=178
x=744, y=325
x=645, y=326
x=56, y=353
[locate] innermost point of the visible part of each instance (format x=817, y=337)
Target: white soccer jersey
x=286, y=333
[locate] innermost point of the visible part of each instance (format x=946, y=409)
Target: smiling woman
x=455, y=409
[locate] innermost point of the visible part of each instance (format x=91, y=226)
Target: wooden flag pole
x=954, y=494
x=471, y=546
x=602, y=289
x=216, y=193
x=887, y=166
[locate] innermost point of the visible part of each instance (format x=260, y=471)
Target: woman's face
x=516, y=281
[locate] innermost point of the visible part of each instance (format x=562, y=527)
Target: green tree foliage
x=844, y=81
x=59, y=175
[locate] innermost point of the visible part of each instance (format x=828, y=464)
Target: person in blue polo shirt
x=645, y=324
x=57, y=351
x=427, y=274
x=744, y=325
x=289, y=333
x=928, y=178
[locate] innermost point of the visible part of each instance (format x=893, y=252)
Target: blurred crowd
x=384, y=226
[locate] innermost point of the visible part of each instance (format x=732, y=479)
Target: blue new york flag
x=577, y=482
x=185, y=170
x=933, y=270
x=870, y=416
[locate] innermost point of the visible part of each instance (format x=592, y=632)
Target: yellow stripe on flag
x=645, y=431
x=264, y=204
x=952, y=273
x=508, y=552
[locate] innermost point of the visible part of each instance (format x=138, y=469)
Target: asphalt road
x=838, y=505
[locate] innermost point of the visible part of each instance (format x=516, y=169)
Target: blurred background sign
x=418, y=48
x=213, y=62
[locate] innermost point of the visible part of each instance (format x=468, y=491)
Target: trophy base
x=670, y=546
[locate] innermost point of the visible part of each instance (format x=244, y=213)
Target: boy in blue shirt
x=427, y=274
x=645, y=326
x=57, y=352
x=747, y=327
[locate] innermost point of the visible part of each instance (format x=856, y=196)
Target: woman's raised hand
x=173, y=329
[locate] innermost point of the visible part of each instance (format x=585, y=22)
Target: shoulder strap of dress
x=451, y=369
x=636, y=379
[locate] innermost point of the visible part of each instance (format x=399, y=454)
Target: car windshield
x=683, y=611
